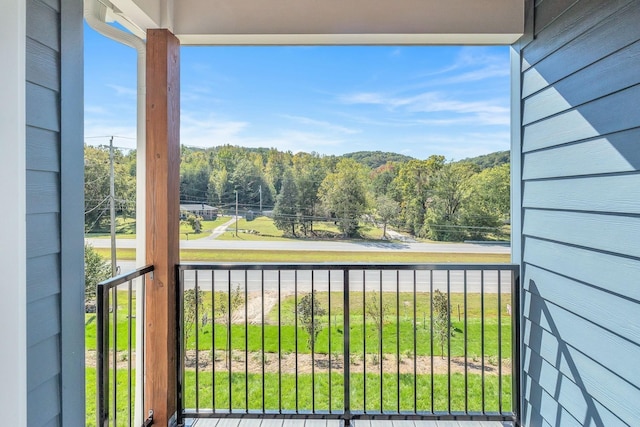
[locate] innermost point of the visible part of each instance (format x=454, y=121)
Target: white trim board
x=13, y=287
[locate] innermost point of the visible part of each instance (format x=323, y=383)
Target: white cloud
x=209, y=130
x=96, y=109
x=482, y=112
x=321, y=124
x=124, y=91
x=363, y=98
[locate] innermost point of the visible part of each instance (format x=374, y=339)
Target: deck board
x=254, y=422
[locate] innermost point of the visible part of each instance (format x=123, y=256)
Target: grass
x=287, y=393
x=285, y=335
x=251, y=338
x=257, y=256
x=299, y=392
x=263, y=229
x=260, y=229
x=186, y=232
x=122, y=406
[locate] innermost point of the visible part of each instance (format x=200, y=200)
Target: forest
x=434, y=198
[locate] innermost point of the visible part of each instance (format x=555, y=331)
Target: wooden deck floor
x=337, y=423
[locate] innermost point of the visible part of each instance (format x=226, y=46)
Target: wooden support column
x=162, y=222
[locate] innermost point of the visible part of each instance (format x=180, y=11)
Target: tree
x=97, y=185
x=414, y=187
x=195, y=222
x=225, y=306
x=386, y=209
x=285, y=212
x=247, y=179
x=219, y=188
x=450, y=191
x=344, y=195
x=310, y=310
x=488, y=205
x=278, y=163
x=96, y=269
x=194, y=174
x=309, y=171
x=441, y=318
x=377, y=311
x=191, y=301
x=382, y=178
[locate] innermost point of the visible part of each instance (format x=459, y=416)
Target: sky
x=418, y=101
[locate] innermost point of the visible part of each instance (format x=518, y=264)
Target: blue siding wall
x=55, y=347
x=580, y=159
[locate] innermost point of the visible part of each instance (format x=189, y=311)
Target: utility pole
x=236, y=213
x=260, y=199
x=112, y=197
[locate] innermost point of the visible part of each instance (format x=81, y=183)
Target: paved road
x=358, y=246
x=391, y=280
x=372, y=278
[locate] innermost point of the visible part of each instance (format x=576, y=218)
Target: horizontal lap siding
x=581, y=214
x=43, y=213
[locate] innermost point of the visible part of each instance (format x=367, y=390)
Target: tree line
x=432, y=198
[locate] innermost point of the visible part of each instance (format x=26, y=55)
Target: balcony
x=335, y=343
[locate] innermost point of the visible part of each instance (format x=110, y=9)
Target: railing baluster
x=195, y=326
x=329, y=334
x=500, y=341
x=398, y=340
x=180, y=345
x=279, y=343
x=346, y=347
x=213, y=341
x=466, y=342
x=229, y=349
x=109, y=394
x=115, y=354
x=262, y=338
x=448, y=329
x=295, y=332
x=129, y=351
x=313, y=348
x=389, y=411
x=482, y=336
x=415, y=346
x=246, y=341
x=364, y=339
x=516, y=312
x=431, y=335
x=380, y=346
x=102, y=347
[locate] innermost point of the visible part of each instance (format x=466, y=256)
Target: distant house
x=199, y=209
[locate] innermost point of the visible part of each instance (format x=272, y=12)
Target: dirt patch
x=254, y=307
x=321, y=363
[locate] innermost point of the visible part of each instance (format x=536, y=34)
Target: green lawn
x=261, y=228
x=286, y=385
x=250, y=337
x=252, y=334
x=257, y=256
x=186, y=232
x=285, y=393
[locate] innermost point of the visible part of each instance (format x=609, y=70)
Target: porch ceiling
x=292, y=22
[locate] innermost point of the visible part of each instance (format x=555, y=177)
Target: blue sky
x=418, y=101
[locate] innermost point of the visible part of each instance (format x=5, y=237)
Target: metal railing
x=402, y=341
x=116, y=347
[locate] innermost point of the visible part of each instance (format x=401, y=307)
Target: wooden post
x=162, y=222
